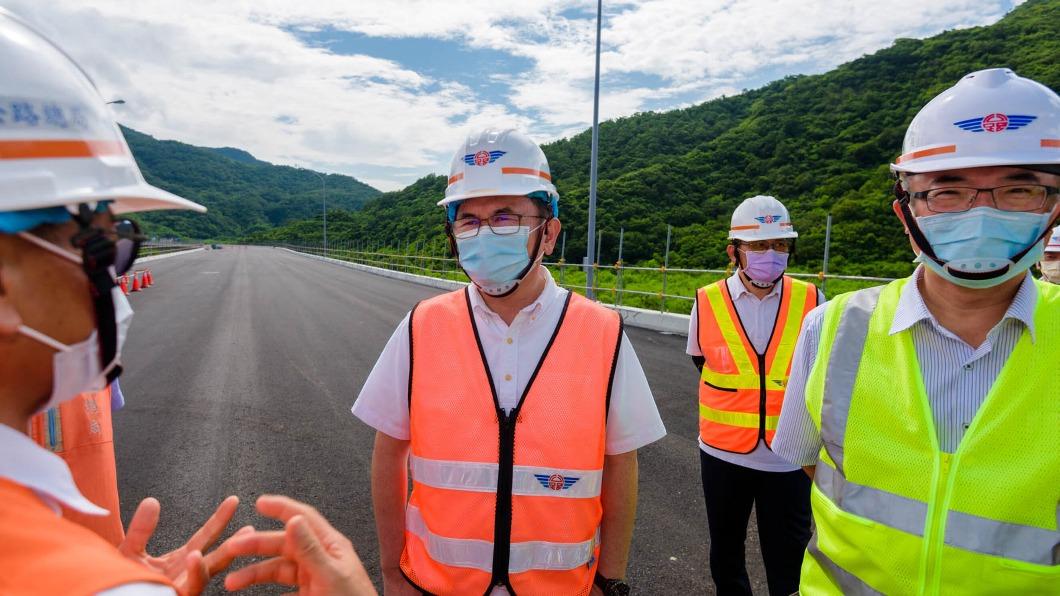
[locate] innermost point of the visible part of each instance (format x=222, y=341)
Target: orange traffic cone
x=148, y=278
x=123, y=281
x=136, y=282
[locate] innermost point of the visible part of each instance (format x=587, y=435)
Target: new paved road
x=241, y=368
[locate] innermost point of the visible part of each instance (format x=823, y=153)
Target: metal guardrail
x=151, y=249
x=618, y=284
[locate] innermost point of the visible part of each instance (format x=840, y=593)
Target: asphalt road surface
x=242, y=365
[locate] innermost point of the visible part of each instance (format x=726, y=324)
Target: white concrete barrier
x=166, y=255
x=675, y=324
x=435, y=282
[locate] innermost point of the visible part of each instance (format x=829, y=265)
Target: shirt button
x=507, y=377
x=967, y=367
x=509, y=340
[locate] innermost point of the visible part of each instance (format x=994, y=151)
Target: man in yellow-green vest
x=926, y=410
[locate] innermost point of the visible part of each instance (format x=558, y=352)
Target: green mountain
x=819, y=143
x=243, y=194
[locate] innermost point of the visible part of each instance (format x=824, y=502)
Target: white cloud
x=236, y=73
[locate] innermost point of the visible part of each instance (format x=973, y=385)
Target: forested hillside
x=820, y=143
x=244, y=195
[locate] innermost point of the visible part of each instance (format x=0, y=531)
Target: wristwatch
x=611, y=587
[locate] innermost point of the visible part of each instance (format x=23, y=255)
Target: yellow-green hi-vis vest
x=897, y=515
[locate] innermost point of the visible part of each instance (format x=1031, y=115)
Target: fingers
x=255, y=544
x=141, y=527
x=284, y=508
x=272, y=571
x=307, y=548
x=195, y=575
x=215, y=526
x=221, y=557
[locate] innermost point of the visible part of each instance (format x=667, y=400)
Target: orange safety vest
x=42, y=553
x=738, y=404
x=506, y=499
x=80, y=432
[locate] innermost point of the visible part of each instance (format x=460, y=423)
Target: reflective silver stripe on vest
x=963, y=530
x=526, y=480
x=843, y=369
x=848, y=582
x=1011, y=541
x=478, y=554
x=896, y=511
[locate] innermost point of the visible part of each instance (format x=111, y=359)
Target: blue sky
x=385, y=91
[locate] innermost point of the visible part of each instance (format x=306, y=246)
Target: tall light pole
x=591, y=272
x=324, y=193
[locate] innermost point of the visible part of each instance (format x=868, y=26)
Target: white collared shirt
x=26, y=463
x=512, y=353
x=957, y=377
x=758, y=317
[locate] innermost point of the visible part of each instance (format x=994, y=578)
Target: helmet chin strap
x=759, y=284
x=922, y=243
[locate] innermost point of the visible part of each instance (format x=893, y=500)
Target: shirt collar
x=27, y=463
x=738, y=289
x=548, y=296
x=912, y=309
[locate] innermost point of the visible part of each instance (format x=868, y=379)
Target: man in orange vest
x=517, y=405
x=741, y=336
x=64, y=170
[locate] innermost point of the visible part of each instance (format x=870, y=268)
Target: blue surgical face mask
x=496, y=263
x=981, y=241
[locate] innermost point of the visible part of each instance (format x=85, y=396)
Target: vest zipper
x=936, y=524
x=502, y=523
x=761, y=397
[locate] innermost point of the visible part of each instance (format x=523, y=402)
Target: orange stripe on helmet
x=58, y=149
x=455, y=178
x=528, y=172
x=926, y=153
x=750, y=227
x=1053, y=143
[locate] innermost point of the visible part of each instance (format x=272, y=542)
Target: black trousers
x=782, y=506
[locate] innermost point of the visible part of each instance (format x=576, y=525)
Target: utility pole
x=591, y=257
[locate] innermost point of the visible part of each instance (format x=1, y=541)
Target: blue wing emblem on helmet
x=768, y=219
x=556, y=481
x=482, y=158
x=995, y=122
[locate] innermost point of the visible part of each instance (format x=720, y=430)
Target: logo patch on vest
x=556, y=481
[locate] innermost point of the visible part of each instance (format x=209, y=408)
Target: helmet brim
x=751, y=238
x=496, y=192
x=923, y=166
x=144, y=197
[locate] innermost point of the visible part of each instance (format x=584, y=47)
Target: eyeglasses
x=779, y=245
x=123, y=239
x=501, y=224
x=1016, y=197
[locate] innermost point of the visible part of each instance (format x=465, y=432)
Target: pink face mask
x=764, y=268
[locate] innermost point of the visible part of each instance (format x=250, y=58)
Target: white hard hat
x=989, y=118
x=59, y=144
x=761, y=218
x=1053, y=245
x=496, y=162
